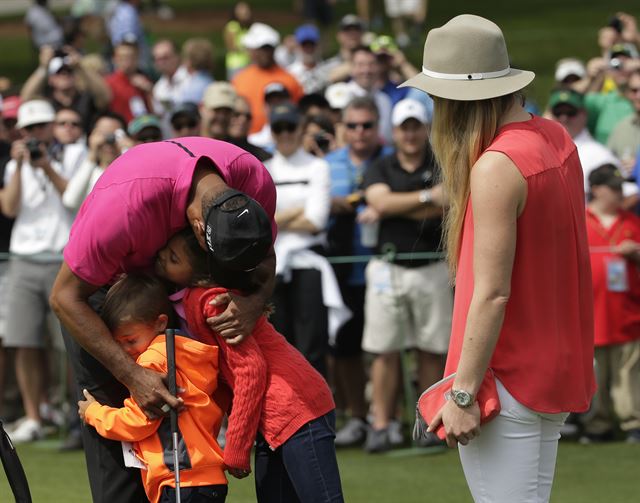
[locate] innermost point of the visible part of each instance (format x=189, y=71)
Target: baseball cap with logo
x=35, y=112
x=58, y=63
x=219, y=95
x=10, y=106
x=351, y=21
x=409, y=109
x=237, y=232
x=307, y=33
x=566, y=97
x=260, y=35
x=143, y=121
x=285, y=112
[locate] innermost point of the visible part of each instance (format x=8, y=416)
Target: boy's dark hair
x=203, y=275
x=137, y=297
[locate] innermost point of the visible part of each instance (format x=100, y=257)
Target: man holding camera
x=34, y=183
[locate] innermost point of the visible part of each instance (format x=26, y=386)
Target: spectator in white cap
x=404, y=195
x=216, y=109
x=570, y=73
x=261, y=41
x=34, y=184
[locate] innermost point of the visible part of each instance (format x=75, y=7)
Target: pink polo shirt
x=140, y=202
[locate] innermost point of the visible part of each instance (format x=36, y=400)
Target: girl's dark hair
x=136, y=297
x=206, y=274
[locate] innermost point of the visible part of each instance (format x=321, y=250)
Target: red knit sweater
x=274, y=388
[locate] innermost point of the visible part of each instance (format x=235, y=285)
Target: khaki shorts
x=407, y=308
x=30, y=323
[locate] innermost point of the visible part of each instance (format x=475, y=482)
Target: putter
x=173, y=413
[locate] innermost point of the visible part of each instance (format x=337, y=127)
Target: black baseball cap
x=608, y=175
x=237, y=232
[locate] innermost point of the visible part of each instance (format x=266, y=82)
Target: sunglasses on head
x=281, y=127
x=363, y=125
x=569, y=112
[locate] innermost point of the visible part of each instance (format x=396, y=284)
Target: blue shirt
x=346, y=178
x=394, y=92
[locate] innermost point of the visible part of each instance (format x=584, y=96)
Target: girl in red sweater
x=276, y=392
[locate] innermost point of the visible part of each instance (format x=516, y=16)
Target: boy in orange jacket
x=137, y=311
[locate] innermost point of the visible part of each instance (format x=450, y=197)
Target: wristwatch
x=425, y=196
x=461, y=398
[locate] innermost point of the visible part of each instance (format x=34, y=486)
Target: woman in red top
x=516, y=243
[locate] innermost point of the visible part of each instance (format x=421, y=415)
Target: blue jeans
x=303, y=469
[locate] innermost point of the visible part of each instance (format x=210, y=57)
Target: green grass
x=585, y=474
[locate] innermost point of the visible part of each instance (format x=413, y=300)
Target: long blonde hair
x=460, y=132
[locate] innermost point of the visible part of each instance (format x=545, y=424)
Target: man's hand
x=238, y=319
x=46, y=55
x=460, y=425
x=148, y=389
x=629, y=27
x=19, y=151
x=368, y=216
x=84, y=404
x=628, y=249
x=239, y=473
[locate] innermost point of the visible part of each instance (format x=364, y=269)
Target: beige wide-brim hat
x=467, y=60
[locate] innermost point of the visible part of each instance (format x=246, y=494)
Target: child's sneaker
x=354, y=432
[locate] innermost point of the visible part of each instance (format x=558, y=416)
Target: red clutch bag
x=436, y=395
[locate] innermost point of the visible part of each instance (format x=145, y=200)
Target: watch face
x=462, y=398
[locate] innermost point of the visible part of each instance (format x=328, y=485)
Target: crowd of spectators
x=355, y=176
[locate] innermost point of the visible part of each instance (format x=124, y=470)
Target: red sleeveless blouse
x=544, y=354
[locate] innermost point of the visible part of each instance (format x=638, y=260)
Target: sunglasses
x=187, y=124
x=68, y=123
x=363, y=125
x=569, y=112
x=282, y=127
x=246, y=115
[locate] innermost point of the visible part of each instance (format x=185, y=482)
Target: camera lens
x=33, y=146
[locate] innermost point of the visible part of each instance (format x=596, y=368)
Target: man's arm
x=69, y=300
x=242, y=312
x=388, y=203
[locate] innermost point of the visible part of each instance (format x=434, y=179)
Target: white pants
x=514, y=458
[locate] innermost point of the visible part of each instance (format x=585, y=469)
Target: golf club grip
x=171, y=374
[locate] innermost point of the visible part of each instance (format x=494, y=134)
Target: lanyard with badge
x=615, y=266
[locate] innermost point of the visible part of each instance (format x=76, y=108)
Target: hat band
x=466, y=76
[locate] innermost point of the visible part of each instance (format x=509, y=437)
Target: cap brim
x=471, y=90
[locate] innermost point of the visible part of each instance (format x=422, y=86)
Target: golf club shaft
x=173, y=413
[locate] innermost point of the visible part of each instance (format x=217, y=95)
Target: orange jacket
x=201, y=459
x=251, y=83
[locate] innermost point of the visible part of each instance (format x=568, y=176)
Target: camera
x=33, y=146
x=322, y=141
x=616, y=63
x=112, y=139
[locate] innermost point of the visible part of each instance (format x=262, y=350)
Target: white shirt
x=383, y=102
x=593, y=155
x=312, y=80
x=81, y=184
x=302, y=180
x=43, y=223
x=263, y=138
x=166, y=93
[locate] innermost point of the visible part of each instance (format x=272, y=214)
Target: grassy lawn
x=585, y=474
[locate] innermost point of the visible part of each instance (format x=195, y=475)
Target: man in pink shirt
x=143, y=198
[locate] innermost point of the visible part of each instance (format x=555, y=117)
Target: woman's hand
x=460, y=425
